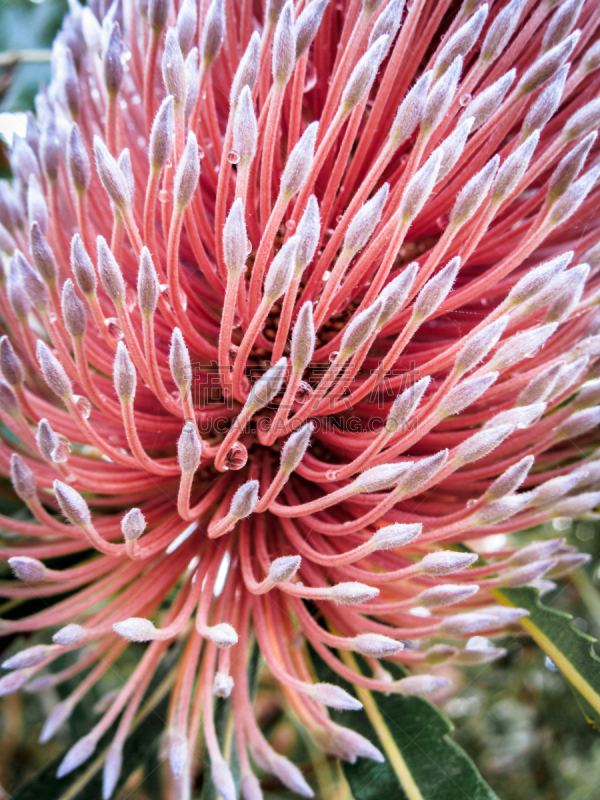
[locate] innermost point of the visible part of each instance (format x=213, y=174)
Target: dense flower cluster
x=294, y=300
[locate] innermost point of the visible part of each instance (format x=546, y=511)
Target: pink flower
x=295, y=304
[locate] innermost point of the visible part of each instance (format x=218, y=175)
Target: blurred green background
x=516, y=718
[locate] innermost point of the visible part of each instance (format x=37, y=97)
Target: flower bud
x=547, y=65
x=446, y=562
x=148, y=288
x=578, y=423
x=110, y=272
x=465, y=393
x=223, y=635
x=308, y=232
x=111, y=61
x=513, y=169
x=192, y=85
x=30, y=657
x=536, y=551
x=37, y=211
x=42, y=255
x=396, y=535
x=569, y=167
x=179, y=363
x=69, y=636
x=10, y=364
x=284, y=46
x=27, y=569
x=73, y=311
x=379, y=478
x=569, y=289
x=83, y=269
x=375, y=645
x=213, y=32
x=502, y=509
x=460, y=42
x=222, y=685
x=187, y=19
x=524, y=575
x=500, y=31
x=482, y=443
x=178, y=752
x=281, y=271
x=307, y=25
x=561, y=24
x=420, y=684
x=53, y=371
x=244, y=500
x=32, y=283
x=362, y=76
x=49, y=152
x=72, y=504
x=267, y=386
x=245, y=129
x=464, y=624
x=395, y=293
x=446, y=594
x=189, y=449
x=435, y=291
x=387, y=23
x=510, y=480
x=478, y=651
x=568, y=376
x=111, y=176
x=422, y=472
x=439, y=98
x=247, y=70
x=365, y=221
x=124, y=375
x=359, y=329
x=303, y=339
x=22, y=478
x=158, y=11
x=188, y=173
x=162, y=135
x=8, y=400
x=352, y=593
x=487, y=102
x=409, y=111
x=284, y=568
x=222, y=778
x=235, y=238
x=419, y=188
x=23, y=162
x=479, y=345
x=295, y=447
x=566, y=564
x=78, y=161
x=173, y=69
x=521, y=345
x=133, y=525
x=299, y=162
x=334, y=697
x=404, y=405
x=135, y=629
x=546, y=103
x=472, y=195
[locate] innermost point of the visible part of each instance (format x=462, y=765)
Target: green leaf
x=422, y=762
x=568, y=647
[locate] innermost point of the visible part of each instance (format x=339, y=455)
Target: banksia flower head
x=293, y=302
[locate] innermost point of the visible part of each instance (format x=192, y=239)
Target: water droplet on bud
x=290, y=225
x=303, y=393
x=465, y=99
x=113, y=329
x=442, y=222
x=163, y=196
x=471, y=503
x=333, y=355
x=233, y=157
x=83, y=404
x=237, y=457
x=248, y=247
x=62, y=449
